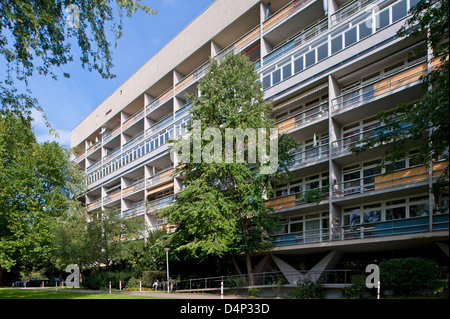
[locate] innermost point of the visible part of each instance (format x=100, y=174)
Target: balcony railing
x=300, y=198
x=350, y=9
x=164, y=97
x=313, y=155
x=137, y=209
x=307, y=116
x=283, y=14
x=133, y=119
x=332, y=42
x=374, y=90
x=159, y=178
x=406, y=177
x=299, y=40
x=302, y=237
x=160, y=203
x=369, y=230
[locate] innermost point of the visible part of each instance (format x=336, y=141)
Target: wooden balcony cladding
x=400, y=79
x=286, y=126
x=409, y=176
x=283, y=14
x=160, y=188
x=247, y=39
x=184, y=83
x=281, y=202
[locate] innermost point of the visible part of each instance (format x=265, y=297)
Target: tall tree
x=37, y=184
x=38, y=36
x=221, y=210
x=427, y=120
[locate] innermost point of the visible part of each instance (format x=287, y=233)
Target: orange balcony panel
x=287, y=125
x=281, y=202
x=402, y=177
x=400, y=79
x=250, y=37
x=160, y=188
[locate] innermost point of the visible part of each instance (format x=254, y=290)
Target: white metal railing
x=298, y=40
x=283, y=14
x=311, y=114
x=160, y=203
x=370, y=183
x=376, y=89
x=350, y=9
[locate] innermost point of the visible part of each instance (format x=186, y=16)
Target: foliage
x=427, y=120
x=37, y=185
x=315, y=195
x=221, y=210
x=307, y=289
x=408, y=276
x=254, y=292
x=234, y=283
x=148, y=277
x=276, y=281
x=99, y=280
x=357, y=288
x=36, y=38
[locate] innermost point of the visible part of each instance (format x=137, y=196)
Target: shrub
x=149, y=276
x=357, y=289
x=307, y=289
x=133, y=283
x=234, y=282
x=100, y=280
x=254, y=292
x=408, y=276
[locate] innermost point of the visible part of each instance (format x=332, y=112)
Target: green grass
x=14, y=293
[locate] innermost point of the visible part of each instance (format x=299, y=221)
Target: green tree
x=427, y=120
x=221, y=210
x=39, y=36
x=37, y=184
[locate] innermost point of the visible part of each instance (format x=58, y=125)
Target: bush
x=307, y=289
x=357, y=289
x=254, y=292
x=149, y=276
x=133, y=283
x=408, y=276
x=234, y=282
x=99, y=280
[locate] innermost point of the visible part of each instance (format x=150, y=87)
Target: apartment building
x=328, y=66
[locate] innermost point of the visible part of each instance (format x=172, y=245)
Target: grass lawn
x=14, y=293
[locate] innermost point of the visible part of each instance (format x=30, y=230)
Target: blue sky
x=67, y=102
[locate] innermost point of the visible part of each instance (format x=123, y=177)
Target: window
x=336, y=44
x=350, y=37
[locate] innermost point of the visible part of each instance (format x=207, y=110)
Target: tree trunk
x=248, y=261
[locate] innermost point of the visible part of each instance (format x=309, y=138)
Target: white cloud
x=42, y=132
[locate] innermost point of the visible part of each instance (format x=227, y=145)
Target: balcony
x=311, y=115
x=283, y=14
x=350, y=9
x=405, y=226
x=382, y=183
x=159, y=178
x=331, y=42
x=386, y=86
x=160, y=203
x=138, y=208
x=315, y=195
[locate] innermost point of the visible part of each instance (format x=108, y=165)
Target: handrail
x=350, y=7
x=339, y=102
x=284, y=13
x=300, y=39
x=296, y=199
x=294, y=121
x=358, y=186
